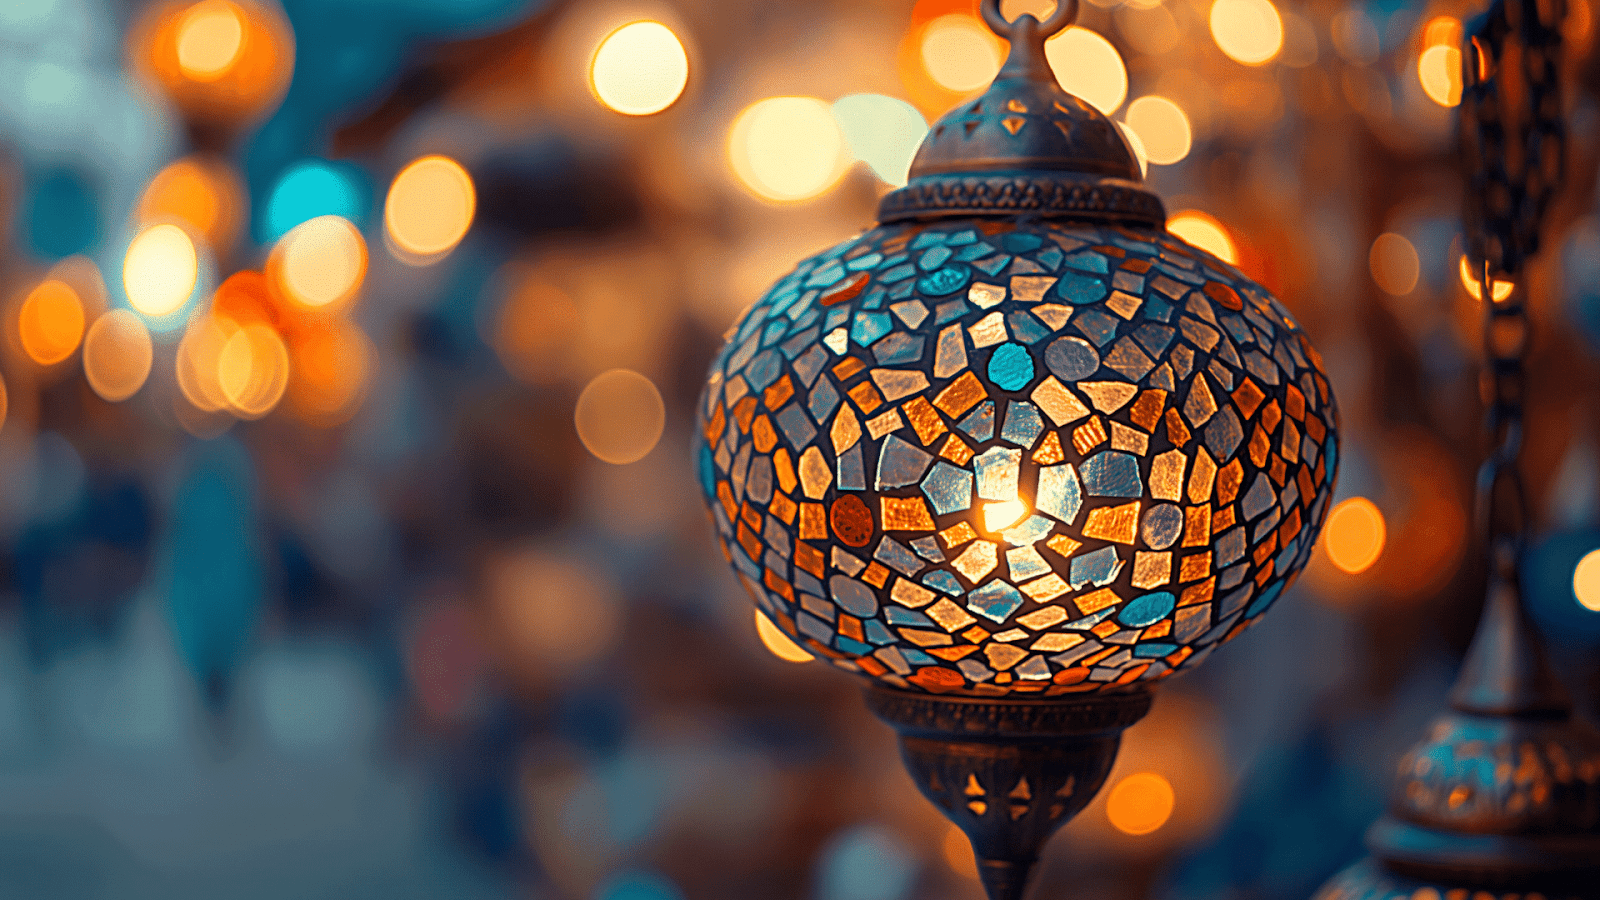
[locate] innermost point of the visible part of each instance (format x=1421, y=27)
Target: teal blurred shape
x=866, y=862
x=61, y=215
x=638, y=885
x=312, y=188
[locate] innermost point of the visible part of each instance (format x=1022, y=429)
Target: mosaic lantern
x=1017, y=452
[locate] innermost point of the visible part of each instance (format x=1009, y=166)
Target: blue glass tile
x=1096, y=326
x=1071, y=359
x=1024, y=327
x=899, y=615
x=878, y=634
x=994, y=265
x=836, y=316
x=979, y=424
x=862, y=263
x=824, y=400
x=1011, y=367
x=796, y=426
x=1031, y=530
x=1157, y=309
x=873, y=299
x=827, y=276
x=1223, y=434
x=949, y=310
x=974, y=252
x=948, y=488
x=1112, y=473
x=1153, y=337
x=899, y=348
x=898, y=557
x=962, y=238
x=764, y=369
x=1163, y=525
x=1021, y=242
x=1260, y=498
x=1147, y=610
x=870, y=327
x=1098, y=568
x=1081, y=289
x=1088, y=261
x=934, y=258
x=941, y=580
x=1154, y=650
x=918, y=658
x=1023, y=424
x=928, y=548
x=1059, y=492
x=1265, y=600
x=995, y=601
x=898, y=273
x=852, y=473
x=854, y=597
x=900, y=463
x=944, y=281
x=930, y=238
x=1050, y=258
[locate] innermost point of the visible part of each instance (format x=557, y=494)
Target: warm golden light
x=620, y=416
x=787, y=149
x=779, y=643
x=1354, y=535
x=160, y=270
x=320, y=262
x=1470, y=281
x=117, y=353
x=639, y=69
x=1586, y=581
x=999, y=516
x=197, y=362
x=1088, y=67
x=331, y=363
x=1439, y=70
x=1204, y=232
x=1136, y=144
x=50, y=323
x=1248, y=31
x=210, y=39
x=430, y=208
x=1162, y=128
x=960, y=53
x=1140, y=803
x=204, y=193
x=253, y=370
x=1395, y=264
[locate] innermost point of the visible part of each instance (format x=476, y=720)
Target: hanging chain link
x=1513, y=146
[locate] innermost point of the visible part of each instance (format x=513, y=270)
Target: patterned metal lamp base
x=1008, y=772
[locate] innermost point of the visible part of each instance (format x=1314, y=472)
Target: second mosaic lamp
x=1016, y=454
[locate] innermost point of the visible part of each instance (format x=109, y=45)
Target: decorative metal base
x=1008, y=772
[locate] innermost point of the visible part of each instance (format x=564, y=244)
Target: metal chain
x=1513, y=145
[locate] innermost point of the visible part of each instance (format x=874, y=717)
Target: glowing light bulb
x=320, y=262
x=1204, y=232
x=429, y=208
x=960, y=53
x=1140, y=803
x=1439, y=70
x=1354, y=535
x=1586, y=581
x=50, y=323
x=1088, y=67
x=620, y=416
x=779, y=643
x=1395, y=264
x=160, y=270
x=639, y=69
x=117, y=353
x=210, y=39
x=787, y=149
x=999, y=516
x=1248, y=31
x=1162, y=128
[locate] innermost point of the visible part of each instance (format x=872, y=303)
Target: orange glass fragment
x=963, y=394
x=851, y=520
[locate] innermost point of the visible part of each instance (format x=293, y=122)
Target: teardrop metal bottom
x=1008, y=772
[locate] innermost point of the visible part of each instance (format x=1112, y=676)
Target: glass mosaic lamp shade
x=1017, y=438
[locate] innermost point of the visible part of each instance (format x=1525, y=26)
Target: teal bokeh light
x=313, y=188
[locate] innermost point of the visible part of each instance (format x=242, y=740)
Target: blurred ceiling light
x=203, y=192
x=620, y=416
x=320, y=263
x=197, y=362
x=210, y=39
x=1439, y=70
x=1354, y=535
x=1136, y=144
x=883, y=132
x=330, y=364
x=1248, y=31
x=1586, y=581
x=787, y=149
x=50, y=323
x=117, y=354
x=1469, y=280
x=429, y=209
x=960, y=53
x=309, y=189
x=1150, y=29
x=1140, y=803
x=639, y=69
x=253, y=370
x=1162, y=128
x=1089, y=68
x=1204, y=232
x=1395, y=264
x=160, y=270
x=781, y=645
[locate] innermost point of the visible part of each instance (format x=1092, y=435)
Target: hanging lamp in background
x=1502, y=797
x=1016, y=454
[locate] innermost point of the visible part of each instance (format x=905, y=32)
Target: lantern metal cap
x=1025, y=146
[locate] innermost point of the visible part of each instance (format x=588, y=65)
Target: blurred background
x=350, y=541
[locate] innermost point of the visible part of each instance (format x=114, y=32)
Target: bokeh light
x=253, y=370
x=1140, y=803
x=50, y=322
x=117, y=353
x=210, y=39
x=203, y=193
x=780, y=644
x=429, y=209
x=320, y=263
x=160, y=270
x=883, y=132
x=197, y=363
x=787, y=149
x=957, y=851
x=1248, y=31
x=1586, y=581
x=1162, y=127
x=1354, y=535
x=1439, y=70
x=1469, y=280
x=1089, y=68
x=639, y=69
x=620, y=416
x=1395, y=264
x=960, y=53
x=1136, y=144
x=331, y=362
x=1204, y=232
x=310, y=189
